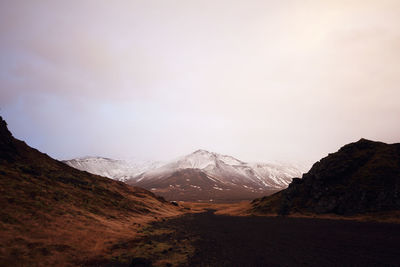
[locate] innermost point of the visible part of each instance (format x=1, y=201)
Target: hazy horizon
x=258, y=80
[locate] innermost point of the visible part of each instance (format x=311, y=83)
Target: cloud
x=260, y=80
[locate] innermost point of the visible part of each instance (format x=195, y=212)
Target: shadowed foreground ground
x=269, y=241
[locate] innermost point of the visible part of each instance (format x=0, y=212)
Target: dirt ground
x=207, y=239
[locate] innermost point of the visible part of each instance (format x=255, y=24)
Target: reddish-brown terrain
x=54, y=215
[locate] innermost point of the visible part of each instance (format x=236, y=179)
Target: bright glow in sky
x=259, y=80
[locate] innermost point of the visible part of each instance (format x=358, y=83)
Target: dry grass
x=54, y=215
x=68, y=240
x=233, y=209
x=245, y=208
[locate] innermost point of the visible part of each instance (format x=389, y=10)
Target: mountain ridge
x=239, y=180
x=224, y=172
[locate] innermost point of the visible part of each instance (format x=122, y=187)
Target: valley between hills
x=344, y=211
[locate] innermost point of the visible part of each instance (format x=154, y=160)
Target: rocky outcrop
x=361, y=177
x=7, y=147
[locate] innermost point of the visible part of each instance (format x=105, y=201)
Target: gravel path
x=267, y=241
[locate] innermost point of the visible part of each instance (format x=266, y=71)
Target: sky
x=287, y=80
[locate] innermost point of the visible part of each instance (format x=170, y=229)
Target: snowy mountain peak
x=202, y=151
x=199, y=159
x=203, y=159
x=197, y=176
x=204, y=175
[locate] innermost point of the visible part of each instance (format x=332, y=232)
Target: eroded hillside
x=52, y=214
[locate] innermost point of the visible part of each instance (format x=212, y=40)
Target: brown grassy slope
x=54, y=214
x=362, y=177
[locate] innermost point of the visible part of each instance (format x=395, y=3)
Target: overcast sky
x=259, y=80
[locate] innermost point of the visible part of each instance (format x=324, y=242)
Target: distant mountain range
x=201, y=175
x=120, y=170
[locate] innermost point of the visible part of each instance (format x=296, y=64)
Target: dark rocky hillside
x=52, y=214
x=362, y=177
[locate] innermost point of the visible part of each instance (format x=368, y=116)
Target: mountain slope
x=208, y=176
x=361, y=177
x=52, y=214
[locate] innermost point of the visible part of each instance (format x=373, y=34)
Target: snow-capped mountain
x=205, y=175
x=201, y=175
x=115, y=169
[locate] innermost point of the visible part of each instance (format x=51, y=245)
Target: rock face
x=361, y=177
x=7, y=147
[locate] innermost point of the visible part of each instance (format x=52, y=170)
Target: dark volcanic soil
x=269, y=241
